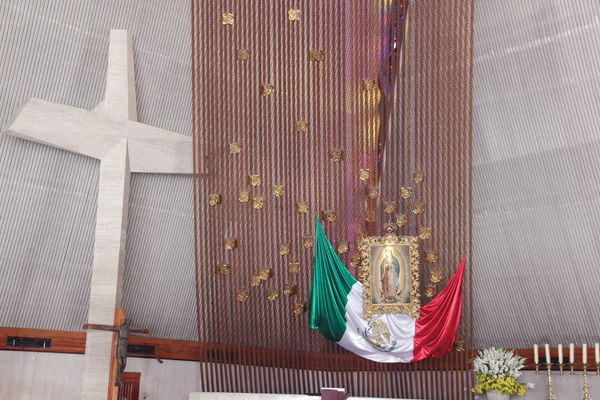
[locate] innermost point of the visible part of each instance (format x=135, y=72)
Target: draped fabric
x=337, y=312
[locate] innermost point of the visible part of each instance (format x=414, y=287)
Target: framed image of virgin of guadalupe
x=389, y=273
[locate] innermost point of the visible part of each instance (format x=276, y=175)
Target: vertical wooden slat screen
x=389, y=84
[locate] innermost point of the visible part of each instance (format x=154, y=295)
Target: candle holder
x=550, y=388
x=560, y=367
x=598, y=368
x=586, y=388
x=572, y=364
x=537, y=368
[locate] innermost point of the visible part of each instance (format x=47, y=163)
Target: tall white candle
x=536, y=355
x=584, y=353
x=547, y=346
x=560, y=354
x=571, y=353
x=597, y=348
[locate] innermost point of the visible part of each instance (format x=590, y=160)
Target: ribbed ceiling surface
x=536, y=179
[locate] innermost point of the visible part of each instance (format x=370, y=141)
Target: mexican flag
x=336, y=310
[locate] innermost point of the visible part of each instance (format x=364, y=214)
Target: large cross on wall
x=110, y=133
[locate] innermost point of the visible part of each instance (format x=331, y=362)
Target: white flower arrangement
x=498, y=369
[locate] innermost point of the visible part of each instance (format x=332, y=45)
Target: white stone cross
x=111, y=134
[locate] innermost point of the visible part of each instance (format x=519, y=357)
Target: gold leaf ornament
x=244, y=197
x=309, y=241
x=435, y=275
x=405, y=192
x=299, y=308
x=429, y=291
x=255, y=280
x=418, y=208
x=272, y=295
x=289, y=290
x=337, y=156
x=268, y=90
x=294, y=267
x=294, y=14
x=227, y=18
x=230, y=244
x=302, y=126
x=373, y=192
x=389, y=207
x=316, y=55
x=242, y=295
x=459, y=345
x=278, y=190
x=424, y=233
x=223, y=269
x=431, y=257
x=302, y=208
x=355, y=261
x=254, y=180
x=418, y=177
x=284, y=249
x=401, y=220
x=265, y=274
x=343, y=247
x=214, y=199
x=328, y=216
x=243, y=54
x=369, y=84
x=364, y=174
x=235, y=148
x=258, y=202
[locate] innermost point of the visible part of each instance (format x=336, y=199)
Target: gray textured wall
x=536, y=187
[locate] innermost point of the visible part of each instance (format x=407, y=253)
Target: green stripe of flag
x=331, y=284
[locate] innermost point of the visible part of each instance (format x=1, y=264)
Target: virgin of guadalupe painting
x=389, y=273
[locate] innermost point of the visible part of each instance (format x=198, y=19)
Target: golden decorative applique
x=254, y=180
x=255, y=280
x=343, y=247
x=424, y=233
x=435, y=275
x=309, y=241
x=289, y=290
x=389, y=207
x=302, y=208
x=278, y=190
x=418, y=208
x=316, y=55
x=258, y=202
x=459, y=345
x=328, y=216
x=355, y=261
x=235, y=148
x=390, y=228
x=223, y=269
x=294, y=14
x=272, y=295
x=294, y=267
x=364, y=174
x=268, y=90
x=244, y=197
x=265, y=274
x=242, y=295
x=214, y=199
x=337, y=155
x=418, y=177
x=401, y=220
x=369, y=84
x=429, y=291
x=230, y=244
x=243, y=54
x=299, y=308
x=227, y=19
x=430, y=256
x=373, y=192
x=284, y=249
x=405, y=192
x=302, y=126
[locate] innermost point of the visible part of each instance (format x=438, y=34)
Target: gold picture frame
x=389, y=273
